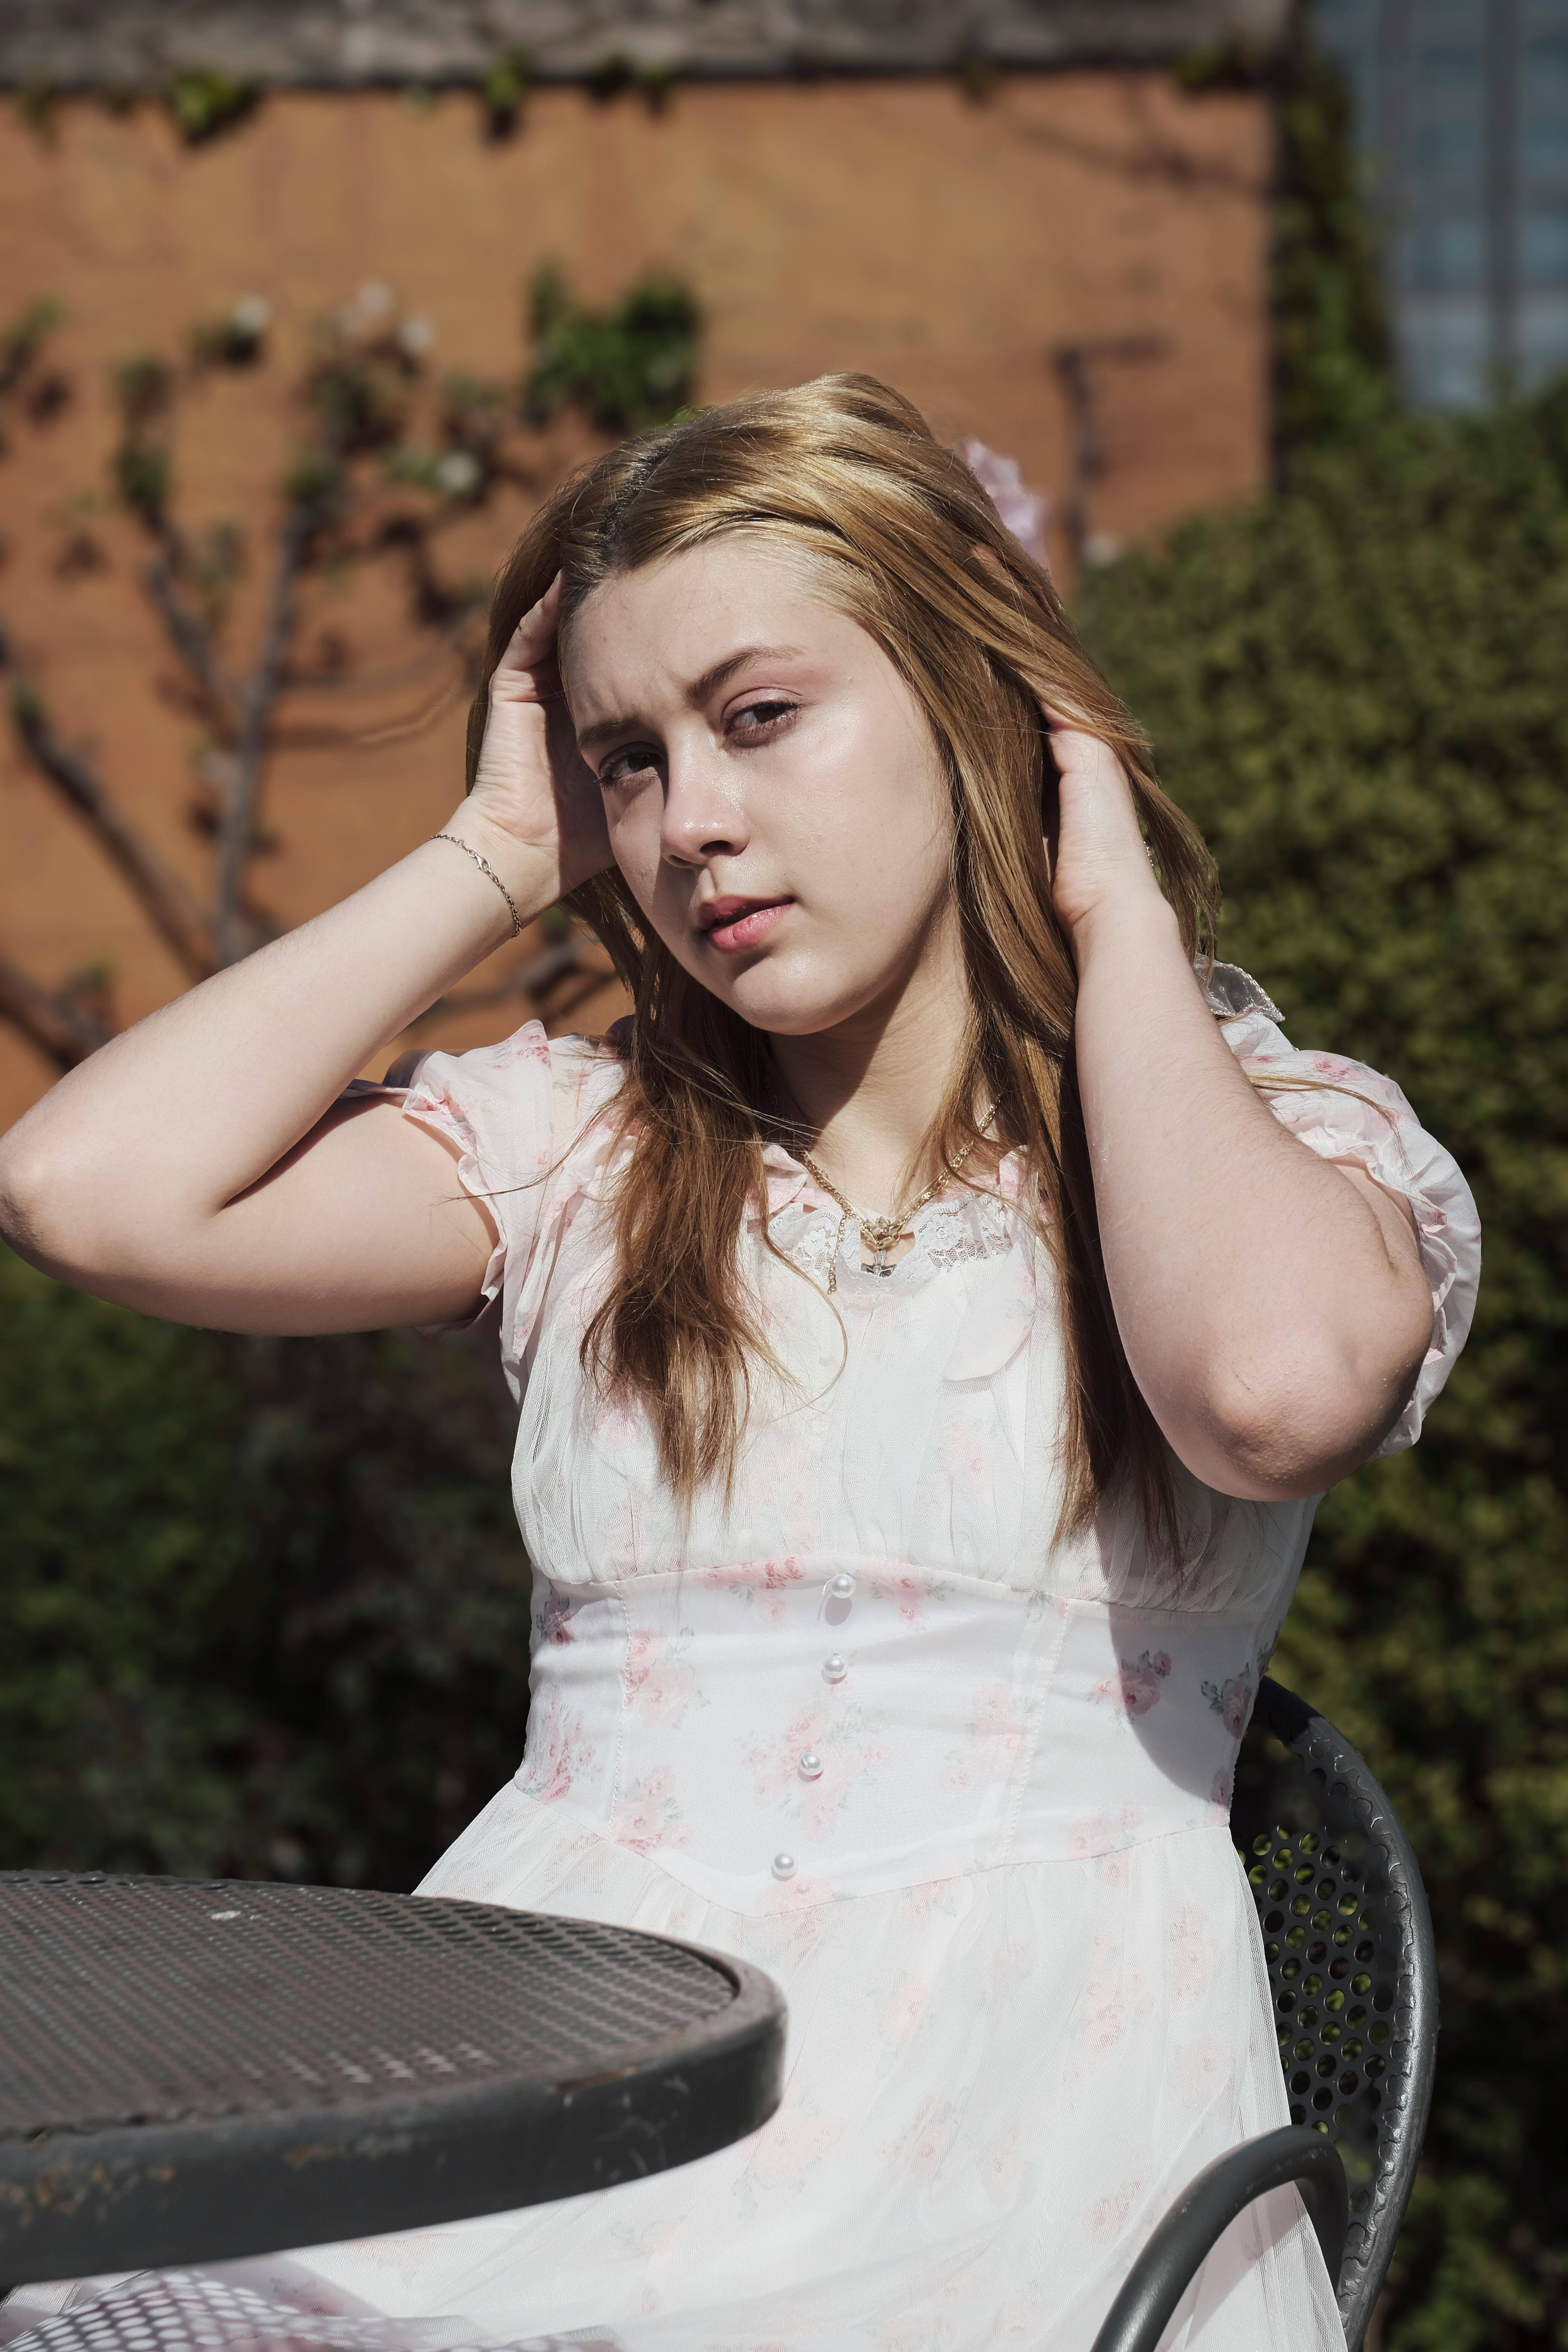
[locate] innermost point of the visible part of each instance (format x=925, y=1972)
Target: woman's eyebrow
x=604, y=731
x=697, y=692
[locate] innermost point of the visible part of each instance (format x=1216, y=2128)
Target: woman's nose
x=702, y=815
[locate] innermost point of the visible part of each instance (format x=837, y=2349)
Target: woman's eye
x=635, y=760
x=762, y=717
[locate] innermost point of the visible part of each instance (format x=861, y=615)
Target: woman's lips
x=746, y=927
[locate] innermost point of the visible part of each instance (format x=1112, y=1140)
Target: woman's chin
x=776, y=995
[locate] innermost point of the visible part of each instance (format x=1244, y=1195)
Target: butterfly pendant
x=879, y=1234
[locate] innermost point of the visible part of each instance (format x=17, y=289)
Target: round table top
x=195, y=2070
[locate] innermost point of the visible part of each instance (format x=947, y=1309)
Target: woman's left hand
x=1097, y=855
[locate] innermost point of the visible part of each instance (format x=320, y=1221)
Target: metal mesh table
x=193, y=2070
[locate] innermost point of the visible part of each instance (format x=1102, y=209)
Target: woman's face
x=775, y=795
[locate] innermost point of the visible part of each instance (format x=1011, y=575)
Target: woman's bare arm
x=1272, y=1304
x=199, y=1166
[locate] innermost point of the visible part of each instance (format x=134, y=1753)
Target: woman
x=934, y=1315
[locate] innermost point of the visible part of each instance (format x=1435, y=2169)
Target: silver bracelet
x=485, y=867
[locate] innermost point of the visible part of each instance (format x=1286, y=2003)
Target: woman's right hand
x=531, y=786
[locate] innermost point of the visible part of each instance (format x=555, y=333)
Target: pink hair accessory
x=1023, y=512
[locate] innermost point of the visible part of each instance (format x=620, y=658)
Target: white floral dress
x=1026, y=1992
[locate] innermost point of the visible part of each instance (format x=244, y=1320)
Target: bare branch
x=192, y=639
x=318, y=734
x=236, y=832
x=48, y=1018
x=173, y=910
x=1075, y=364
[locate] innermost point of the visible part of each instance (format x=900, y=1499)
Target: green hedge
x=265, y=1608
x=1360, y=689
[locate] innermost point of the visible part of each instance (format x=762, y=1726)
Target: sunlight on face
x=775, y=795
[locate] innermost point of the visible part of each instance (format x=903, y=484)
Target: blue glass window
x=1450, y=150
x=1542, y=337
x=1543, y=246
x=1451, y=68
x=1449, y=254
x=1476, y=231
x=1546, y=66
x=1544, y=148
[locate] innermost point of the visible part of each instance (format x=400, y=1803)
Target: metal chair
x=1353, y=1976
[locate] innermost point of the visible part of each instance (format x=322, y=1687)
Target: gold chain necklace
x=879, y=1233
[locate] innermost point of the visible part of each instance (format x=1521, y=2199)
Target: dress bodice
x=782, y=1733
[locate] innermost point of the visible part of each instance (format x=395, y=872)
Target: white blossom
x=457, y=473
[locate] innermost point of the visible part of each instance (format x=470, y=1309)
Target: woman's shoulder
x=526, y=1094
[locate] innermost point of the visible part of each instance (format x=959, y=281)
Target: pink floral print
x=996, y=1737
x=552, y=1620
x=765, y=1583
x=1137, y=1687
x=1109, y=2215
x=528, y=1044
x=1192, y=1954
x=659, y=1686
x=1101, y=1833
x=559, y=1752
x=1231, y=1701
x=936, y=2124
x=1001, y=2162
x=905, y=2010
x=851, y=1759
x=911, y=1592
x=648, y=1815
x=1201, y=2072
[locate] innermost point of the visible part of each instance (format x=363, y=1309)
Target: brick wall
x=892, y=225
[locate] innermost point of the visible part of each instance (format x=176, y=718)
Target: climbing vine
x=1330, y=320
x=628, y=367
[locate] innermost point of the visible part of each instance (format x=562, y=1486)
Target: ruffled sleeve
x=515, y=1114
x=1347, y=1113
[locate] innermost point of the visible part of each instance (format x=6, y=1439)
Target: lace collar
x=963, y=1224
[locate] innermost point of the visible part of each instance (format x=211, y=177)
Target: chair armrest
x=1170, y=2262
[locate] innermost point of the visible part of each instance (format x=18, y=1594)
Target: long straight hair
x=903, y=540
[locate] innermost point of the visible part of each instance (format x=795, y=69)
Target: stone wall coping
x=68, y=45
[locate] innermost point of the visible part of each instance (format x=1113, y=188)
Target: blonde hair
x=905, y=542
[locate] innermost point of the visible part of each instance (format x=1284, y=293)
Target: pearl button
x=784, y=1865
x=842, y=1586
x=835, y=1668
x=811, y=1765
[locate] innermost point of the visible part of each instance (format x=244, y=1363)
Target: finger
x=1074, y=747
x=1069, y=735
x=533, y=640
x=1086, y=757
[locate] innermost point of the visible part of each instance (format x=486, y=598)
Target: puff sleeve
x=1348, y=1113
x=515, y=1113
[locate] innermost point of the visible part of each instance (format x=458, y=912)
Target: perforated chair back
x=1351, y=1967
